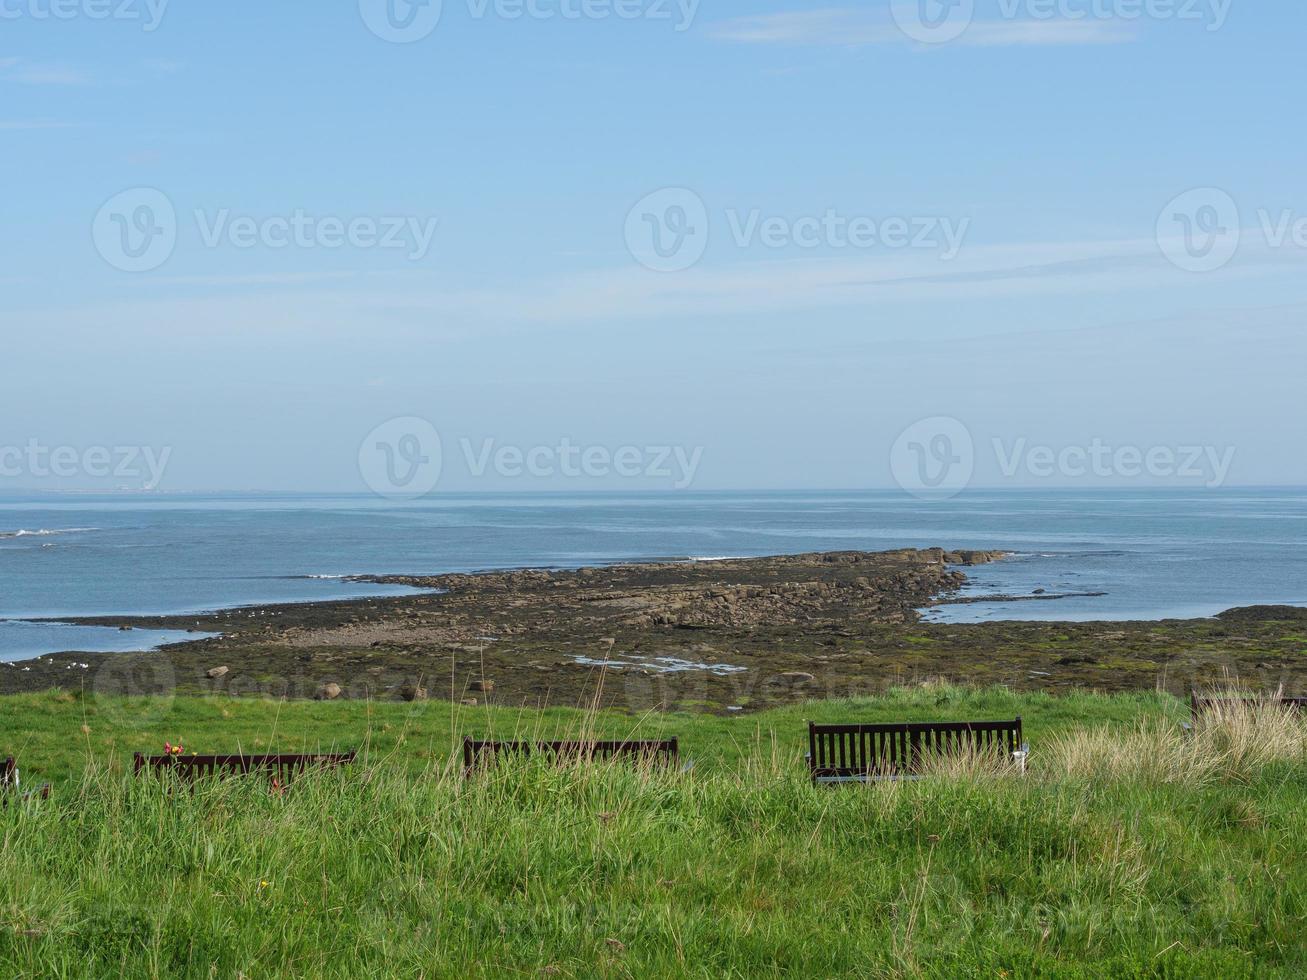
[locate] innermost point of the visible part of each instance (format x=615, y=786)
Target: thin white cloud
x=842, y=27
x=27, y=73
x=830, y=26
x=12, y=125
x=425, y=304
x=1033, y=33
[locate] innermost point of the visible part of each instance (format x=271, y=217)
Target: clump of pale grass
x=1235, y=740
x=969, y=766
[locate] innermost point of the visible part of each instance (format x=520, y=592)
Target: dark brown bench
x=9, y=783
x=278, y=767
x=873, y=753
x=1200, y=706
x=478, y=754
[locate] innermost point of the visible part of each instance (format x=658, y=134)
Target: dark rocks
x=1265, y=614
x=412, y=692
x=484, y=687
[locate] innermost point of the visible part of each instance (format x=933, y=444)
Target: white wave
x=46, y=532
x=716, y=558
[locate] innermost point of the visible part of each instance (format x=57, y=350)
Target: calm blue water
x=1157, y=554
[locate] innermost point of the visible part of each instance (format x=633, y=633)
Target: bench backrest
x=1198, y=706
x=8, y=773
x=281, y=767
x=898, y=748
x=481, y=754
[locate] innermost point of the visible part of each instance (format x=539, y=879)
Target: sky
x=499, y=245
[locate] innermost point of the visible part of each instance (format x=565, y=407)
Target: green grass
x=58, y=735
x=1148, y=865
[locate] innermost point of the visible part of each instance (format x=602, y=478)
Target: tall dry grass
x=1236, y=740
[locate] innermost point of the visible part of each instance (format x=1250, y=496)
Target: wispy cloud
x=844, y=27
x=423, y=303
x=13, y=125
x=29, y=73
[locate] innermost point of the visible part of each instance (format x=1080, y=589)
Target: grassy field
x=1129, y=849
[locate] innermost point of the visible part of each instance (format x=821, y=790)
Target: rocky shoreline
x=724, y=635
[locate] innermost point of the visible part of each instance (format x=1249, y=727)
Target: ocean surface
x=1155, y=554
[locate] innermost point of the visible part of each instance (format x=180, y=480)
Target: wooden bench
x=9, y=783
x=278, y=767
x=873, y=753
x=1200, y=706
x=479, y=754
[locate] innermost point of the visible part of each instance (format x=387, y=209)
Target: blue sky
x=1035, y=159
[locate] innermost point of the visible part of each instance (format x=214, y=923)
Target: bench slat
x=193, y=767
x=478, y=753
x=895, y=750
x=1199, y=705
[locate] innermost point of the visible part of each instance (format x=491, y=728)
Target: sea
x=1112, y=554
